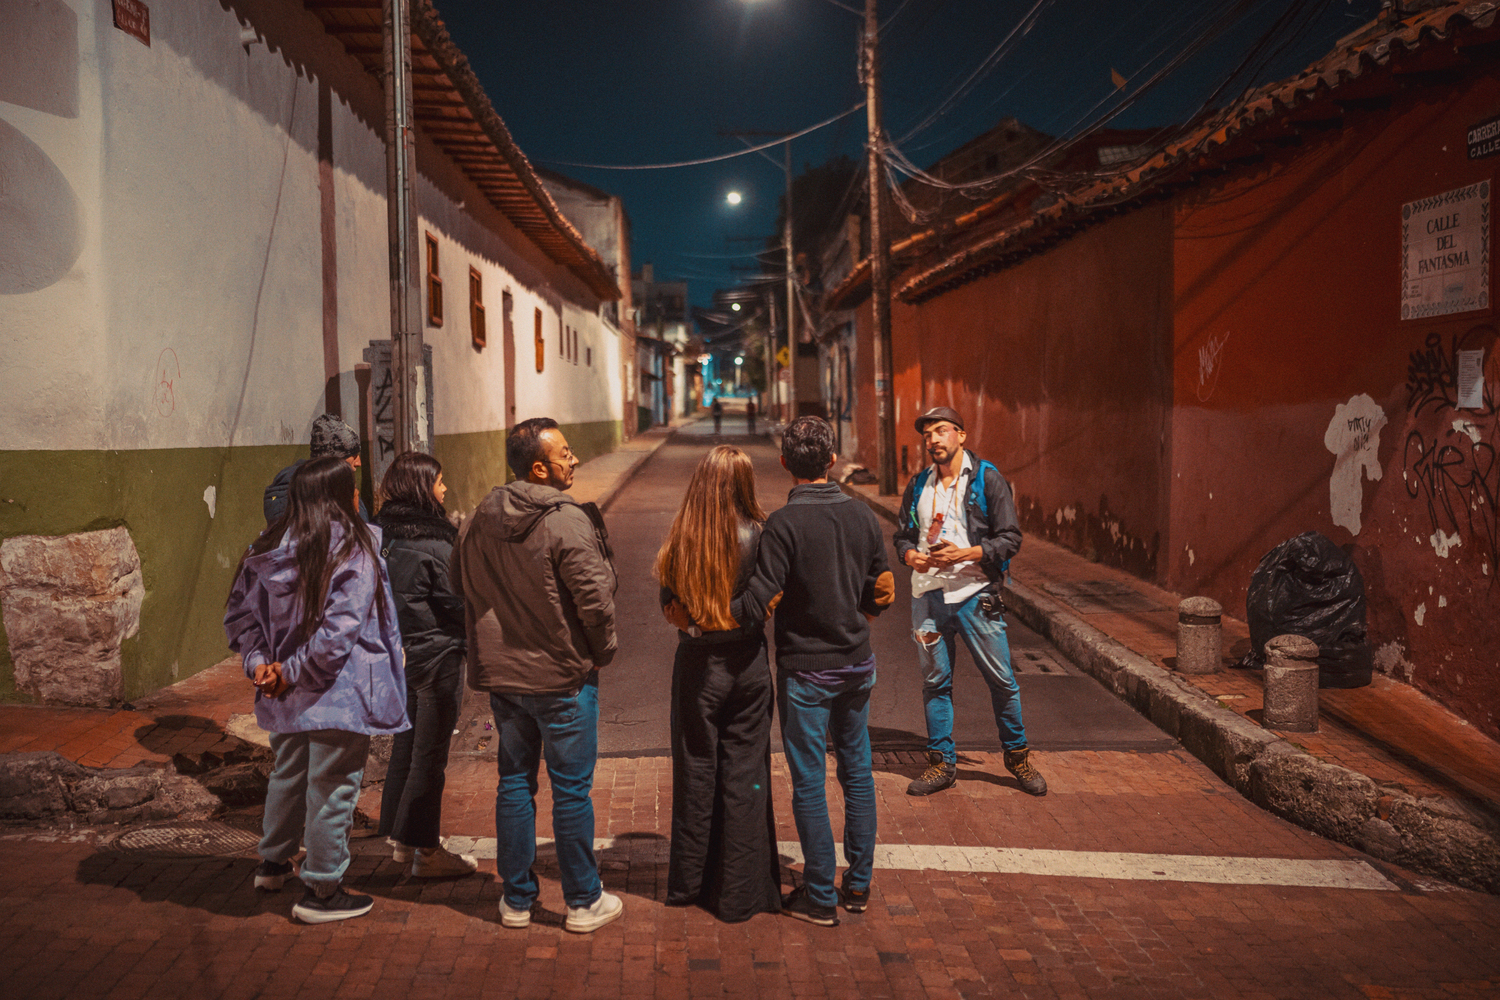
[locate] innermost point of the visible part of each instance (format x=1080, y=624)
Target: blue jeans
x=310, y=799
x=985, y=638
x=810, y=713
x=564, y=728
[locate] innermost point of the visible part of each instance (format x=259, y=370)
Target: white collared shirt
x=960, y=581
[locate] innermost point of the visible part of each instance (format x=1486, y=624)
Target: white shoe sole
x=329, y=916
x=514, y=919
x=592, y=922
x=273, y=883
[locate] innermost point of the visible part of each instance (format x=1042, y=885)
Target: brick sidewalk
x=87, y=919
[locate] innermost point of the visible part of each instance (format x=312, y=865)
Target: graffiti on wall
x=1210, y=357
x=1353, y=436
x=1452, y=469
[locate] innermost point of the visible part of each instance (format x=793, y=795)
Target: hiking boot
x=940, y=774
x=1018, y=762
x=400, y=853
x=855, y=900
x=512, y=918
x=583, y=919
x=315, y=909
x=799, y=904
x=439, y=862
x=270, y=876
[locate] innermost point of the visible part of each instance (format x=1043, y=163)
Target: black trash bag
x=1309, y=586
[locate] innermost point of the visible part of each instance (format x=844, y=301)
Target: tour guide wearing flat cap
x=939, y=413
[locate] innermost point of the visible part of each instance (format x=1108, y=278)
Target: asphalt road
x=1064, y=708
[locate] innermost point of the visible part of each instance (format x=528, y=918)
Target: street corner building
x=195, y=263
x=1184, y=346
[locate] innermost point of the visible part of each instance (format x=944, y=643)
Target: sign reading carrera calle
x=1445, y=253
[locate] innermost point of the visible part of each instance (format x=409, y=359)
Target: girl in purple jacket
x=312, y=615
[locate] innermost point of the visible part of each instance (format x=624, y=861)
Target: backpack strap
x=976, y=487
x=919, y=484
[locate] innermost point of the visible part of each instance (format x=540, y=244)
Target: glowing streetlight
x=733, y=197
x=739, y=360
x=735, y=306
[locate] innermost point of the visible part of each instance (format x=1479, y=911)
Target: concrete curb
x=1434, y=835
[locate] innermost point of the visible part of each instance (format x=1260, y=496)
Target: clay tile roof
x=1431, y=40
x=452, y=110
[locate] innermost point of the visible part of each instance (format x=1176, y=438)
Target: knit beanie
x=331, y=437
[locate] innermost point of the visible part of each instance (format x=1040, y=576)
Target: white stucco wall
x=193, y=314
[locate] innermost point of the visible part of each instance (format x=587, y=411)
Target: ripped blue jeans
x=934, y=626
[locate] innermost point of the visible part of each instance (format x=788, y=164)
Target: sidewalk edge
x=607, y=496
x=1437, y=836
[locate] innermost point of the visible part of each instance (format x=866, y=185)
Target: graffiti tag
x=168, y=371
x=1458, y=478
x=1432, y=372
x=1209, y=356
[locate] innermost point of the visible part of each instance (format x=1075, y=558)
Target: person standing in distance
x=331, y=437
x=957, y=531
x=534, y=570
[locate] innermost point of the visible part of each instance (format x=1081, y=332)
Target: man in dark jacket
x=330, y=436
x=957, y=531
x=534, y=570
x=824, y=553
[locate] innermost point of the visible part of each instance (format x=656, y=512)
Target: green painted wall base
x=187, y=556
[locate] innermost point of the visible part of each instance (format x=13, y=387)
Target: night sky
x=629, y=82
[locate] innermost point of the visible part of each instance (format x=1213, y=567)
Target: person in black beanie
x=331, y=437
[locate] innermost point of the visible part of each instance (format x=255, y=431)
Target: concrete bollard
x=1200, y=648
x=1291, y=684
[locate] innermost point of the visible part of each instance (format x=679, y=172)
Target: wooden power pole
x=880, y=279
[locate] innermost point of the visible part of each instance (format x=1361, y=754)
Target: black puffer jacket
x=418, y=546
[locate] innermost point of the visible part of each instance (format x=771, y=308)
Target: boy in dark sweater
x=824, y=553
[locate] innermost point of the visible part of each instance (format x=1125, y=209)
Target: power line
x=710, y=159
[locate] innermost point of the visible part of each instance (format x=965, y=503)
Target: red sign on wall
x=133, y=18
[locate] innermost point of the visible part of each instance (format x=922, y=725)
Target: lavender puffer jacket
x=348, y=675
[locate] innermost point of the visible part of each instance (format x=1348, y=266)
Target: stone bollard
x=1200, y=649
x=1291, y=684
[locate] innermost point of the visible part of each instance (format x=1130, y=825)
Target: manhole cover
x=188, y=840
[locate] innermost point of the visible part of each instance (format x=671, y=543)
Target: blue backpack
x=976, y=494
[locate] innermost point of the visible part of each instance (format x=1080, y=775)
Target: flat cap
x=939, y=413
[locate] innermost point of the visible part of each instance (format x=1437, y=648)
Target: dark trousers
x=411, y=807
x=723, y=854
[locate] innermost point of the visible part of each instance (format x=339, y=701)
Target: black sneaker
x=342, y=905
x=799, y=904
x=939, y=775
x=270, y=876
x=1018, y=762
x=855, y=900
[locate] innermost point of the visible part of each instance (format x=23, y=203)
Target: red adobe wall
x=1060, y=368
x=1287, y=299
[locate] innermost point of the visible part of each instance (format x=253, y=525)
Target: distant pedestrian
x=723, y=854
x=535, y=572
x=750, y=415
x=331, y=437
x=718, y=411
x=312, y=614
x=957, y=531
x=418, y=548
x=824, y=553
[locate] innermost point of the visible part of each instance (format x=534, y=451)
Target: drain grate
x=190, y=840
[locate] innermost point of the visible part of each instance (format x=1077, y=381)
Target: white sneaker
x=514, y=918
x=439, y=862
x=400, y=853
x=583, y=919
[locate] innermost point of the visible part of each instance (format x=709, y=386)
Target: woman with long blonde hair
x=723, y=854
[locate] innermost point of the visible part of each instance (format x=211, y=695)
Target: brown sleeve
x=885, y=589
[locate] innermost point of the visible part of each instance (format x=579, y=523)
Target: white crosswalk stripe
x=1325, y=873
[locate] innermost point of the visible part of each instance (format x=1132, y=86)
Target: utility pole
x=407, y=377
x=880, y=279
x=791, y=296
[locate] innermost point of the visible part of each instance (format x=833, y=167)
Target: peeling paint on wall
x=1353, y=436
x=1390, y=659
x=1441, y=542
x=1419, y=614
x=211, y=497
